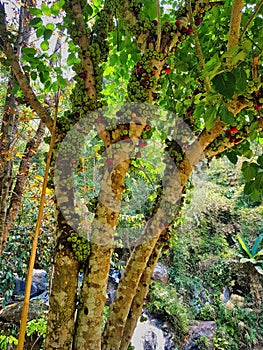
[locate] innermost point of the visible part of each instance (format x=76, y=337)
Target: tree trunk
x=21, y=178
x=89, y=317
x=8, y=138
x=9, y=127
x=138, y=261
x=62, y=302
x=137, y=303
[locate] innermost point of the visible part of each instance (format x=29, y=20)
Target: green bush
x=164, y=302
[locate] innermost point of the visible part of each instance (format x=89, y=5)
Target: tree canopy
x=141, y=90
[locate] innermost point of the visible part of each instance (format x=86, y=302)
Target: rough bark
x=137, y=263
x=138, y=300
x=89, y=317
x=21, y=178
x=62, y=304
x=234, y=28
x=7, y=139
x=20, y=75
x=8, y=134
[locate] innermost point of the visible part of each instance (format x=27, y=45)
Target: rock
x=43, y=296
x=113, y=281
x=12, y=313
x=160, y=273
x=20, y=288
x=40, y=280
x=198, y=329
x=147, y=336
x=39, y=284
x=150, y=341
x=115, y=275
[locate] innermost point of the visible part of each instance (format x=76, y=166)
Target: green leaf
x=260, y=161
x=35, y=12
x=50, y=26
x=225, y=84
x=45, y=9
x=72, y=58
x=259, y=269
x=257, y=243
x=244, y=246
x=249, y=188
x=35, y=22
x=258, y=254
x=55, y=9
x=241, y=79
x=151, y=8
x=255, y=195
x=33, y=75
x=232, y=156
x=29, y=51
x=212, y=67
x=259, y=182
x=226, y=116
x=44, y=45
x=231, y=52
x=47, y=34
x=62, y=82
x=123, y=57
x=249, y=170
x=89, y=9
x=47, y=85
x=210, y=117
x=247, y=45
x=239, y=57
x=40, y=31
x=44, y=76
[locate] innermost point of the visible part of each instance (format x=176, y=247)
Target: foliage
x=218, y=274
x=253, y=255
x=37, y=327
x=236, y=327
x=15, y=257
x=163, y=302
x=35, y=330
x=105, y=315
x=6, y=340
x=198, y=87
x=202, y=343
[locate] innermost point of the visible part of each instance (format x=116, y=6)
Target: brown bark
x=7, y=139
x=234, y=28
x=138, y=300
x=20, y=75
x=62, y=302
x=137, y=263
x=21, y=178
x=135, y=268
x=89, y=317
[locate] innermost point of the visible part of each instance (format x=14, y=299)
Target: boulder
x=12, y=312
x=39, y=284
x=160, y=273
x=196, y=331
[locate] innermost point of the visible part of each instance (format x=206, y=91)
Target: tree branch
x=84, y=42
x=251, y=19
x=20, y=75
x=198, y=48
x=234, y=28
x=22, y=176
x=158, y=44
